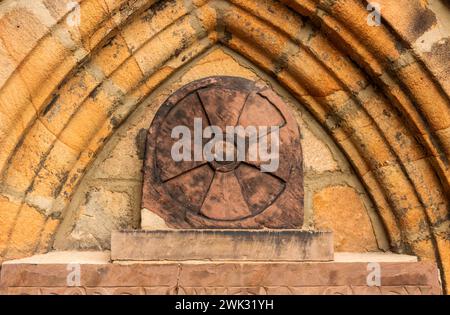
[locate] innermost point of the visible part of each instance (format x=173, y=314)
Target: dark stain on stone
x=56, y=215
x=180, y=114
x=227, y=36
x=108, y=42
x=178, y=51
x=281, y=63
x=333, y=122
x=62, y=180
x=400, y=47
x=423, y=20
x=115, y=122
x=50, y=105
x=184, y=45
x=155, y=8
x=447, y=3
x=117, y=103
x=94, y=93
x=140, y=143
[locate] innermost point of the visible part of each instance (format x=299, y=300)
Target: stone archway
x=377, y=91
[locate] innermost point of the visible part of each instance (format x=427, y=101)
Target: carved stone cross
x=224, y=152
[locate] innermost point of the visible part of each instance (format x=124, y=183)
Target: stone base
x=247, y=245
x=49, y=274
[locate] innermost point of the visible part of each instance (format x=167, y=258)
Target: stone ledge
x=217, y=245
x=373, y=257
x=65, y=257
x=221, y=278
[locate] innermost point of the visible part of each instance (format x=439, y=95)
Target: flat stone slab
x=217, y=245
x=51, y=274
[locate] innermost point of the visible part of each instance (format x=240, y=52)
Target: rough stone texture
x=318, y=157
x=151, y=221
x=425, y=25
x=97, y=215
x=247, y=245
x=97, y=276
x=61, y=88
x=339, y=208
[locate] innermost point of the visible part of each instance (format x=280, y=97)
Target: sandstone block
x=247, y=245
x=340, y=208
x=49, y=274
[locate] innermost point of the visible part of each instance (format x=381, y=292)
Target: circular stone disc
x=233, y=186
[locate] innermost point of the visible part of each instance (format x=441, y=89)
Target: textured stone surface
x=104, y=210
x=151, y=221
x=340, y=209
x=317, y=155
x=40, y=276
x=252, y=245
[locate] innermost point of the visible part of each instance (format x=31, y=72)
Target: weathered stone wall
x=379, y=93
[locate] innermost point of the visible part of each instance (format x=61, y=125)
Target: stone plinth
x=49, y=274
x=219, y=245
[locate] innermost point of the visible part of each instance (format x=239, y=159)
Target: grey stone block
x=240, y=245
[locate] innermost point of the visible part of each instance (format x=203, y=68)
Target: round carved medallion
x=224, y=152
